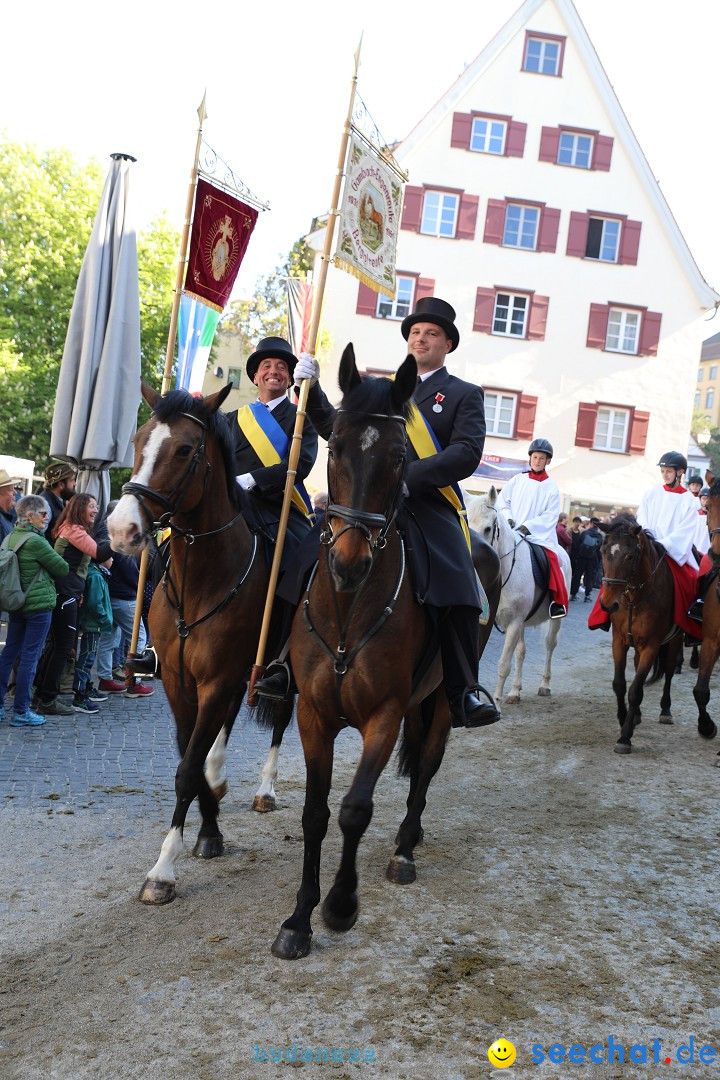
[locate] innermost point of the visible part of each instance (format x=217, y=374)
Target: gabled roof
x=707, y=297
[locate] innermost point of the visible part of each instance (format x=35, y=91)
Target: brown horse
x=363, y=651
x=205, y=618
x=710, y=648
x=638, y=594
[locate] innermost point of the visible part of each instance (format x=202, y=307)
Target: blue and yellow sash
x=270, y=443
x=425, y=444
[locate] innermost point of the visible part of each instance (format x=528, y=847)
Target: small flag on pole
x=300, y=302
x=196, y=329
x=369, y=218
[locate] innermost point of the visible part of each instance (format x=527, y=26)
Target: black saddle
x=541, y=574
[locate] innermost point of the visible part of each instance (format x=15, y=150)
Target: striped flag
x=196, y=330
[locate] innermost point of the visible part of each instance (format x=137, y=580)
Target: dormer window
x=543, y=54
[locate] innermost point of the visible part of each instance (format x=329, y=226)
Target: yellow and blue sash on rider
x=425, y=444
x=270, y=443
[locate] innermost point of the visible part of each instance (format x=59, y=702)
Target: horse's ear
x=213, y=401
x=348, y=376
x=405, y=381
x=604, y=527
x=635, y=530
x=709, y=478
x=492, y=496
x=149, y=395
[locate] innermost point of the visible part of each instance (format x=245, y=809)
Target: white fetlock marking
x=215, y=762
x=164, y=868
x=269, y=774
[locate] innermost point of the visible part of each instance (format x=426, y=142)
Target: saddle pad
x=540, y=565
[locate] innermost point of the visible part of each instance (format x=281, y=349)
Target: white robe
x=702, y=538
x=534, y=504
x=672, y=519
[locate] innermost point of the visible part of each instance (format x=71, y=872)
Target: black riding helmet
x=540, y=446
x=695, y=478
x=673, y=460
x=704, y=491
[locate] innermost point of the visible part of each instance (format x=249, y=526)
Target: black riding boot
x=278, y=683
x=459, y=645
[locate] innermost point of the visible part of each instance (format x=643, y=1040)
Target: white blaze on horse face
x=369, y=436
x=125, y=522
x=614, y=549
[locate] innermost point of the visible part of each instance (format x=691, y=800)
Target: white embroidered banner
x=369, y=219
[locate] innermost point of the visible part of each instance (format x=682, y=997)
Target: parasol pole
x=295, y=445
x=172, y=335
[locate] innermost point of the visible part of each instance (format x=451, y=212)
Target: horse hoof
x=709, y=732
x=401, y=871
x=622, y=748
x=208, y=847
x=512, y=699
x=339, y=923
x=666, y=718
x=157, y=892
x=220, y=791
x=291, y=944
x=263, y=804
x=544, y=691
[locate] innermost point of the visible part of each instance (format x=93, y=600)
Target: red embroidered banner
x=221, y=229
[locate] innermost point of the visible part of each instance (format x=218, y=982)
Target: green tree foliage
x=48, y=203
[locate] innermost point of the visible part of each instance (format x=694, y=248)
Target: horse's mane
x=176, y=402
x=374, y=395
x=624, y=522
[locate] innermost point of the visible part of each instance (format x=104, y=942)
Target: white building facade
x=532, y=210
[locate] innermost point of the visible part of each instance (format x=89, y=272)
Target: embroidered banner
x=221, y=229
x=369, y=219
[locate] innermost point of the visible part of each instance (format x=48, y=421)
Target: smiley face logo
x=501, y=1054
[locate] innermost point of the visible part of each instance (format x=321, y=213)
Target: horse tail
x=271, y=714
x=410, y=748
x=658, y=668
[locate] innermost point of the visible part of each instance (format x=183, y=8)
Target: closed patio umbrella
x=98, y=392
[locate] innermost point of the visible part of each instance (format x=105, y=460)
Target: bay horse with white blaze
x=522, y=602
x=364, y=651
x=205, y=617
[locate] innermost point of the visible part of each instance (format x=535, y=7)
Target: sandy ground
x=565, y=894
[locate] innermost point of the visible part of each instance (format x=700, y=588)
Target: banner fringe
x=348, y=267
x=203, y=300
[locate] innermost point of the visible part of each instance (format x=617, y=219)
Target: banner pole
x=295, y=445
x=172, y=335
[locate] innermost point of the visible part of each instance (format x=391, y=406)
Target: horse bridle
x=631, y=589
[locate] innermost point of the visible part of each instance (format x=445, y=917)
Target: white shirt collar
x=427, y=374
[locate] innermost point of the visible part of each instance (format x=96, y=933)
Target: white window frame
x=500, y=428
x=710, y=398
x=620, y=322
x=544, y=43
x=575, y=149
x=612, y=415
x=603, y=239
x=712, y=372
x=445, y=200
x=513, y=307
x=489, y=136
x=390, y=304
x=525, y=212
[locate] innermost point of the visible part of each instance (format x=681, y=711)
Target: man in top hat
x=58, y=489
x=261, y=433
x=531, y=503
x=7, y=504
x=444, y=446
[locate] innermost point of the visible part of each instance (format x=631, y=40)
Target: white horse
x=519, y=596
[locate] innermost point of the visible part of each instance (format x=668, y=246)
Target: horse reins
x=631, y=589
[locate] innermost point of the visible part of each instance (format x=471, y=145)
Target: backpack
x=96, y=607
x=12, y=595
x=589, y=542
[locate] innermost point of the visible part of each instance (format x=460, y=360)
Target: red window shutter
x=548, y=232
x=549, y=142
x=587, y=416
x=515, y=139
x=649, y=333
x=494, y=221
x=461, y=128
x=577, y=235
x=425, y=286
x=525, y=416
x=467, y=217
x=597, y=326
x=637, y=439
x=538, y=317
x=629, y=243
x=412, y=208
x=602, y=153
x=366, y=301
x=484, y=308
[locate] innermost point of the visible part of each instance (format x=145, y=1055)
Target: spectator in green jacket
x=27, y=629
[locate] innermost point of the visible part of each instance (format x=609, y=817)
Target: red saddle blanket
x=685, y=579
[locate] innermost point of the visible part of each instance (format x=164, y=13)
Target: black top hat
x=269, y=347
x=433, y=310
